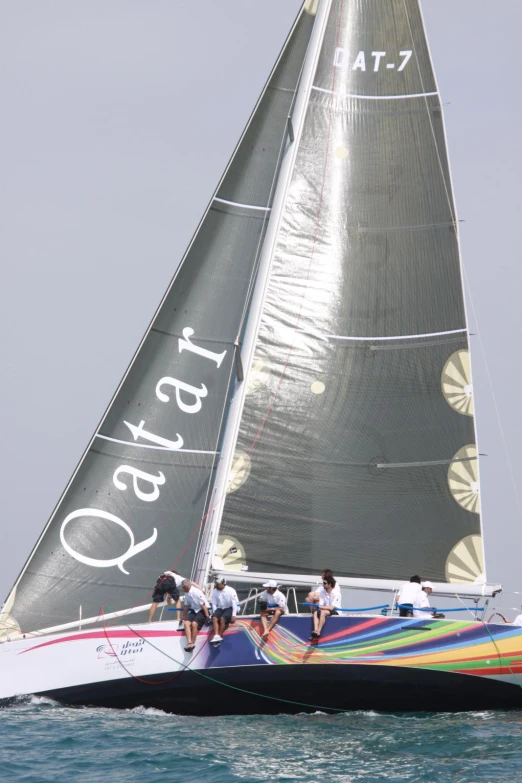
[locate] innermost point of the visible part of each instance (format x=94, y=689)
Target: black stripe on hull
x=297, y=688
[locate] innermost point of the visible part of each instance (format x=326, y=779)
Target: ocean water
x=43, y=741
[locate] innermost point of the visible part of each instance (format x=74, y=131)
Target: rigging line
x=494, y=397
x=157, y=448
x=227, y=685
x=375, y=97
x=314, y=243
x=464, y=278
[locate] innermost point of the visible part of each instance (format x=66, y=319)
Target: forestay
x=137, y=500
x=357, y=442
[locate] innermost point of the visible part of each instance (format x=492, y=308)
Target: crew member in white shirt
x=224, y=608
x=421, y=601
x=313, y=595
x=195, y=612
x=329, y=600
x=407, y=595
x=271, y=602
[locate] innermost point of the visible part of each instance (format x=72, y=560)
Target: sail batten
x=376, y=97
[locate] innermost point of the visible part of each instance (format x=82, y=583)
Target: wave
x=149, y=711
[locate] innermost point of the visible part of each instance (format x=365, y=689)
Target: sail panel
x=167, y=524
x=136, y=503
x=361, y=447
x=384, y=236
x=353, y=460
x=378, y=49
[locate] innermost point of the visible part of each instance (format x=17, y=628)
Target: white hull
x=66, y=660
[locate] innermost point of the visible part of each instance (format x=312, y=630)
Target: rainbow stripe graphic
x=445, y=645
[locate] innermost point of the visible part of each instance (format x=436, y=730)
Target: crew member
x=421, y=601
x=178, y=579
x=271, y=602
x=165, y=586
x=313, y=595
x=329, y=600
x=224, y=608
x=195, y=612
x=407, y=594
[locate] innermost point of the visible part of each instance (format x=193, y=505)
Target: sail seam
x=244, y=206
x=178, y=336
x=396, y=336
x=424, y=464
x=419, y=227
x=375, y=97
x=280, y=89
x=157, y=448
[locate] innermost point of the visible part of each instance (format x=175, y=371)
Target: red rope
x=134, y=676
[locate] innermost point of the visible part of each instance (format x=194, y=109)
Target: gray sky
x=118, y=117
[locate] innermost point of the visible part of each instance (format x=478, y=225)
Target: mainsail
x=138, y=498
x=357, y=446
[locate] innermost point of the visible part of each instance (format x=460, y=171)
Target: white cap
x=427, y=584
x=270, y=583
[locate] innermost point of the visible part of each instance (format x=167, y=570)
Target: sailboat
x=302, y=399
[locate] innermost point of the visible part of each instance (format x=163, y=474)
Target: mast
x=215, y=513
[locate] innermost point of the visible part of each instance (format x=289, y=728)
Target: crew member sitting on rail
x=313, y=595
x=166, y=585
x=421, y=601
x=407, y=594
x=271, y=602
x=195, y=612
x=224, y=608
x=329, y=599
